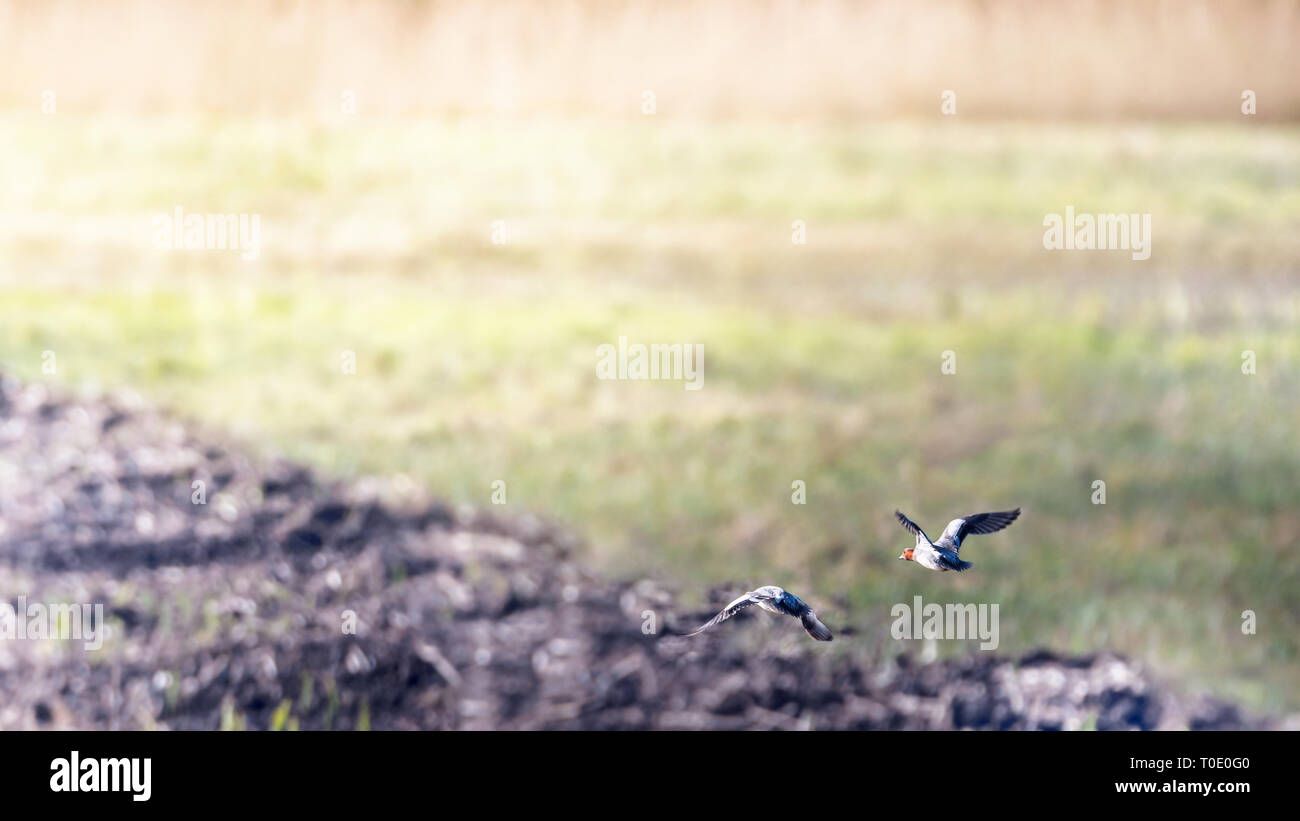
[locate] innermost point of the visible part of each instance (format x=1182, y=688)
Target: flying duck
x=942, y=555
x=774, y=600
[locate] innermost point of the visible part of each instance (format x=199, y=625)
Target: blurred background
x=646, y=163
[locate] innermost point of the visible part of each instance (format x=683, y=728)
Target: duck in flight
x=774, y=600
x=942, y=555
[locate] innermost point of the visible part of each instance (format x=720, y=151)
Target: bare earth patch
x=230, y=613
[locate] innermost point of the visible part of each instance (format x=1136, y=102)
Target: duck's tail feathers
x=958, y=564
x=815, y=627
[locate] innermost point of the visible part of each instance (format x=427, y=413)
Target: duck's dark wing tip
x=726, y=613
x=985, y=523
x=815, y=628
x=909, y=525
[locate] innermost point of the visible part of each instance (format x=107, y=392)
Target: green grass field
x=476, y=361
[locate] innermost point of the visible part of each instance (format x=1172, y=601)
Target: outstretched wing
x=743, y=602
x=911, y=526
x=814, y=626
x=977, y=524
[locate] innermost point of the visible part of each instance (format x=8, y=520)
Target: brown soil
x=231, y=613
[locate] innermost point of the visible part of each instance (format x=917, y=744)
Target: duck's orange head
x=907, y=554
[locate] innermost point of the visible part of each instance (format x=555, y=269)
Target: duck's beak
x=902, y=555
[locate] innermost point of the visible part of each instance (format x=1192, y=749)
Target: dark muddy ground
x=231, y=613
